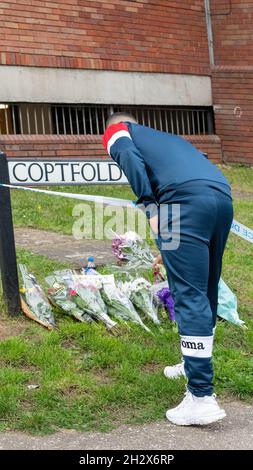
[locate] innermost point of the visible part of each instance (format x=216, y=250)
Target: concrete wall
x=52, y=85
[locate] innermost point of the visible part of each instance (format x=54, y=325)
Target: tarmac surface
x=235, y=432
x=63, y=247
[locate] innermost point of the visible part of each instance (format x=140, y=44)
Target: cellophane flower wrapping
x=89, y=290
x=84, y=292
x=118, y=303
x=134, y=251
x=35, y=297
x=227, y=305
x=67, y=300
x=140, y=293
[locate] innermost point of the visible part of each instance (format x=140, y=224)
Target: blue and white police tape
x=113, y=201
x=239, y=229
x=242, y=231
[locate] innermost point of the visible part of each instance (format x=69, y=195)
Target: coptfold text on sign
x=64, y=172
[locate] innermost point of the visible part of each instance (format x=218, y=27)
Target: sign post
x=8, y=262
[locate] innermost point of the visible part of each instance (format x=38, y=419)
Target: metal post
x=210, y=122
x=209, y=31
x=8, y=261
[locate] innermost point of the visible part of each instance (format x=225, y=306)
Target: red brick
x=76, y=23
x=87, y=146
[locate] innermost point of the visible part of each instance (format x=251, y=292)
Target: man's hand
x=153, y=222
x=157, y=262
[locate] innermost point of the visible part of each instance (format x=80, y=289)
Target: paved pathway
x=63, y=247
x=234, y=432
x=246, y=195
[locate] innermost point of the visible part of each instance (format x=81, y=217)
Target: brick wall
x=232, y=78
x=141, y=35
x=233, y=100
x=232, y=22
x=83, y=146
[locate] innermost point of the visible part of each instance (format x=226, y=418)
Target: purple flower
x=167, y=300
x=116, y=248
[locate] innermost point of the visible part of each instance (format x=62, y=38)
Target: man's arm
x=118, y=143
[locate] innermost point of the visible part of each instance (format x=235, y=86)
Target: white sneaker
x=174, y=372
x=196, y=411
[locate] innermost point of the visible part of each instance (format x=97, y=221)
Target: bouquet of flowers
x=68, y=301
x=88, y=288
x=162, y=296
x=62, y=277
x=133, y=250
x=34, y=302
x=165, y=297
x=140, y=294
x=83, y=292
x=118, y=304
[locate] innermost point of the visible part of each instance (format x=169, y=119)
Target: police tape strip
x=237, y=228
x=82, y=197
x=242, y=231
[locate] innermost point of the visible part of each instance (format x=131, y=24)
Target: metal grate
x=181, y=121
x=79, y=119
x=33, y=118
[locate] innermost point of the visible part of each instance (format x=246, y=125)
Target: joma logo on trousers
x=192, y=345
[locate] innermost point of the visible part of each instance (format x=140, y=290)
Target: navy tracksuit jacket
x=164, y=169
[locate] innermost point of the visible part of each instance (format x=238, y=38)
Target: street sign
x=46, y=172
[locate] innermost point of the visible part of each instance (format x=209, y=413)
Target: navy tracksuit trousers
x=194, y=270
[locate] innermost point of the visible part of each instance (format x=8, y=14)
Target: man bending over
x=164, y=169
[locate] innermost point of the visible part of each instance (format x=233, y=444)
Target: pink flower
x=117, y=243
x=72, y=292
